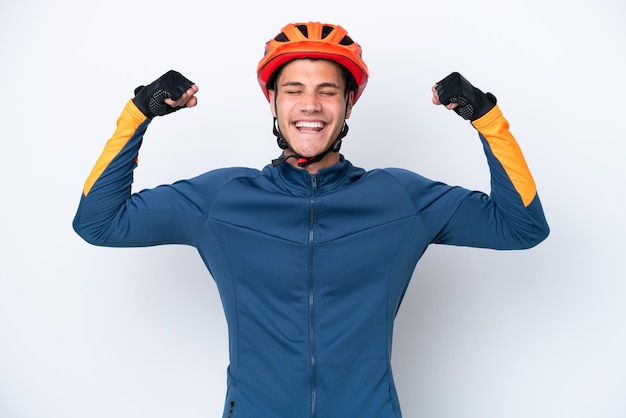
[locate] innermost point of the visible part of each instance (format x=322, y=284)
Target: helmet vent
x=304, y=30
x=346, y=41
x=326, y=30
x=281, y=37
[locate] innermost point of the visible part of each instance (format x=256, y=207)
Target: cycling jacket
x=311, y=269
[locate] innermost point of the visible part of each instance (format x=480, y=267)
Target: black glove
x=473, y=103
x=149, y=99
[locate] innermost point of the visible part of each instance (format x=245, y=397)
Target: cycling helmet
x=313, y=40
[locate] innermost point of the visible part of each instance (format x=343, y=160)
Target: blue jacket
x=311, y=269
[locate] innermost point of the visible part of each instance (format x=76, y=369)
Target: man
x=311, y=255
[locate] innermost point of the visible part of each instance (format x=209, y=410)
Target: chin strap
x=304, y=161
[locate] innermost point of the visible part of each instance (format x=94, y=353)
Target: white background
x=89, y=332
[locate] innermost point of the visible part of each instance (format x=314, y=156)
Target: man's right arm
x=108, y=186
x=104, y=214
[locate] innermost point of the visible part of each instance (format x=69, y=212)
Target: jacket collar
x=299, y=181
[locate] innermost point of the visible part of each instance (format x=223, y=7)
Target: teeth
x=315, y=125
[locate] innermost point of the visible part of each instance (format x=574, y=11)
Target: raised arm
x=106, y=214
x=511, y=216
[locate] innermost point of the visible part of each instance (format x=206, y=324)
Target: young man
x=311, y=255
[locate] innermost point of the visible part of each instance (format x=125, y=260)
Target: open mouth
x=306, y=126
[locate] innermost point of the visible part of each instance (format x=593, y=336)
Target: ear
x=272, y=97
x=349, y=104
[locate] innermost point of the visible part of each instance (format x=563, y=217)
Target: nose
x=310, y=102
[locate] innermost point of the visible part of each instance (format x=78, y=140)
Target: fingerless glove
x=473, y=103
x=150, y=99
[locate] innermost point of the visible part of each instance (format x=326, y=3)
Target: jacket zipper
x=312, y=336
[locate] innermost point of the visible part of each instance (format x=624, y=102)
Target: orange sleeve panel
x=495, y=128
x=127, y=125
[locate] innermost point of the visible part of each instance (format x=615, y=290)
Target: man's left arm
x=513, y=217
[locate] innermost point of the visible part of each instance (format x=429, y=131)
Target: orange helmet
x=313, y=40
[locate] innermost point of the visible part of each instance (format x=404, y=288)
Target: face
x=310, y=106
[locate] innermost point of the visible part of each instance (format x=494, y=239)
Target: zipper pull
x=314, y=181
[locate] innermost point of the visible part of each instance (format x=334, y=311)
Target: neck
x=329, y=160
